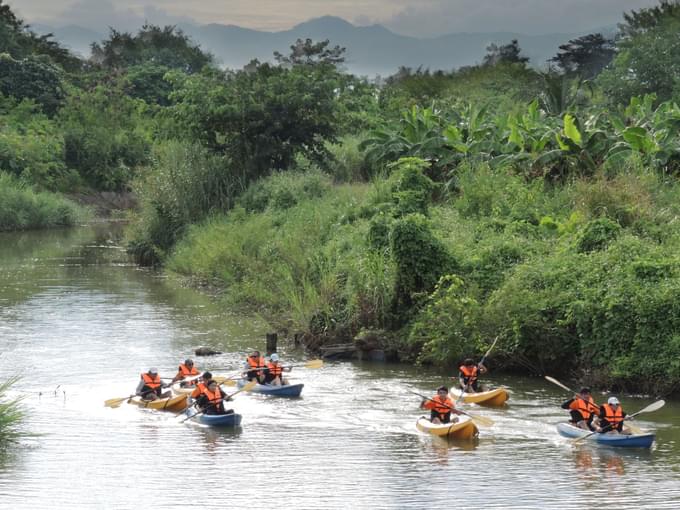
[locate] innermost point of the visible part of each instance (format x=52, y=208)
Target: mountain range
x=371, y=50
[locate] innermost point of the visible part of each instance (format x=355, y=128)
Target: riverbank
x=579, y=279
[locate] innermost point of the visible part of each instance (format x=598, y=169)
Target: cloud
x=526, y=16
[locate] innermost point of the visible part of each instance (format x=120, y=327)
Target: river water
x=79, y=322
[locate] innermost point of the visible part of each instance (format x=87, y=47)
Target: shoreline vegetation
x=420, y=215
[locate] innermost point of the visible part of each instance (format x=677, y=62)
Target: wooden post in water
x=272, y=338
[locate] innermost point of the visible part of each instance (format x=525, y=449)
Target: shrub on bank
x=22, y=208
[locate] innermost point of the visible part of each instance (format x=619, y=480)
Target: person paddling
x=254, y=362
x=150, y=386
x=611, y=417
x=441, y=407
x=274, y=373
x=468, y=373
x=201, y=385
x=186, y=369
x=211, y=400
x=582, y=409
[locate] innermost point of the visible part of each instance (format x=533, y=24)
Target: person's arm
x=567, y=404
x=426, y=404
x=140, y=387
x=482, y=369
x=178, y=377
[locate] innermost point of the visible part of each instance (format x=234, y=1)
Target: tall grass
x=11, y=416
x=22, y=208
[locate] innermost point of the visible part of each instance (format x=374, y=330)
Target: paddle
x=480, y=420
x=460, y=397
x=116, y=402
x=246, y=387
x=655, y=406
x=232, y=380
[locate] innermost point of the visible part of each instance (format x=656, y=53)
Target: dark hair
x=188, y=362
x=585, y=390
x=442, y=388
x=468, y=362
x=207, y=376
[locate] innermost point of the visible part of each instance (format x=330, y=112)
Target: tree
x=32, y=78
x=260, y=116
x=167, y=46
x=648, y=18
x=647, y=63
x=20, y=42
x=585, y=56
x=506, y=54
x=308, y=52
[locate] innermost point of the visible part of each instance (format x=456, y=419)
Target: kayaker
x=611, y=417
x=186, y=369
x=582, y=409
x=468, y=373
x=150, y=386
x=211, y=400
x=274, y=373
x=441, y=407
x=201, y=385
x=253, y=362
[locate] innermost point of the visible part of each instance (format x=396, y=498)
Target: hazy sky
x=411, y=17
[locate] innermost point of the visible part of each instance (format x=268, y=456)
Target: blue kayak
x=216, y=420
x=289, y=390
x=619, y=440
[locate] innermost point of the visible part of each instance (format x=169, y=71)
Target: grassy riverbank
x=22, y=208
x=584, y=274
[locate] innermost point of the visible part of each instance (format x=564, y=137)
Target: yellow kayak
x=463, y=429
x=174, y=404
x=493, y=398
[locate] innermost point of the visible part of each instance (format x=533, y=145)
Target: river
x=79, y=322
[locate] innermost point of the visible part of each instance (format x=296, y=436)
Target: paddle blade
x=315, y=363
x=481, y=420
x=115, y=402
x=228, y=382
x=558, y=383
x=652, y=407
x=249, y=386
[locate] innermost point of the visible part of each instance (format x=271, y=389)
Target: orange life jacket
x=152, y=382
x=275, y=369
x=613, y=417
x=469, y=373
x=200, y=388
x=214, y=398
x=256, y=363
x=440, y=405
x=186, y=372
x=586, y=408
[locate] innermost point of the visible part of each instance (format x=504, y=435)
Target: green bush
x=21, y=208
x=411, y=188
x=284, y=190
x=597, y=235
x=421, y=259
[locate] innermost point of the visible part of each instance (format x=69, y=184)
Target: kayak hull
x=618, y=440
x=289, y=390
x=464, y=429
x=491, y=398
x=230, y=420
x=174, y=404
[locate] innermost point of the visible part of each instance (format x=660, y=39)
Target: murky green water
x=79, y=322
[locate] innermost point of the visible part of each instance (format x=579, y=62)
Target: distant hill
x=371, y=50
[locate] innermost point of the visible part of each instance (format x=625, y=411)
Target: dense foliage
x=441, y=207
